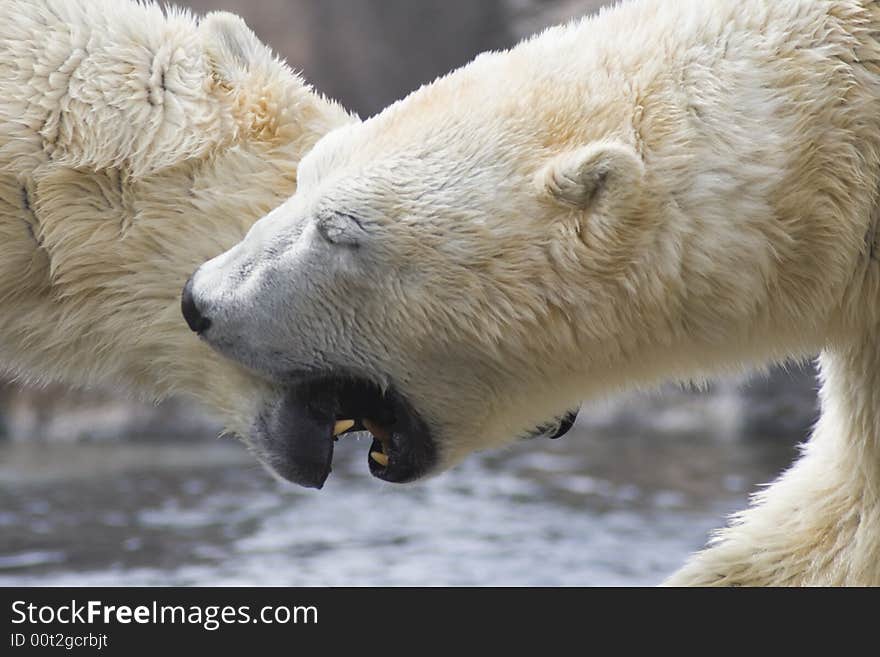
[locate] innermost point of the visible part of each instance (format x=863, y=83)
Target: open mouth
x=299, y=431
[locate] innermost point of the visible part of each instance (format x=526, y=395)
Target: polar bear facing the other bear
x=135, y=143
x=667, y=190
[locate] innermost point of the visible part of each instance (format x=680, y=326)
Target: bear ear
x=607, y=173
x=232, y=47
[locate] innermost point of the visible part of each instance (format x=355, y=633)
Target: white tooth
x=379, y=458
x=342, y=425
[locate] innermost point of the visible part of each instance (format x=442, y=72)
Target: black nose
x=191, y=313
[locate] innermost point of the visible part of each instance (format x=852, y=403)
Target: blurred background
x=105, y=491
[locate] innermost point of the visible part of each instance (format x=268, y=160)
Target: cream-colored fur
x=134, y=145
x=668, y=190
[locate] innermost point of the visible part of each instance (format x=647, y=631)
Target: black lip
x=290, y=438
x=411, y=451
x=557, y=428
x=294, y=435
x=566, y=422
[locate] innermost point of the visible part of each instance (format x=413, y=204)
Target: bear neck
x=819, y=522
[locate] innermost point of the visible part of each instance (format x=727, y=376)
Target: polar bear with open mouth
x=665, y=191
x=136, y=142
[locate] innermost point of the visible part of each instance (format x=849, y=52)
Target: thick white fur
x=134, y=145
x=707, y=200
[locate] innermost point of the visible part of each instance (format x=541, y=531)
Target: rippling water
x=607, y=505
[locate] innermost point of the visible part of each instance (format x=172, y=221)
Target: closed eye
x=342, y=228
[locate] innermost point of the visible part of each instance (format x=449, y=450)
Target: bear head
x=438, y=278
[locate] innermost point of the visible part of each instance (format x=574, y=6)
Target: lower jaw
x=297, y=432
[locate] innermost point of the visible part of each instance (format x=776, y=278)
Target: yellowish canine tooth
x=379, y=458
x=342, y=425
